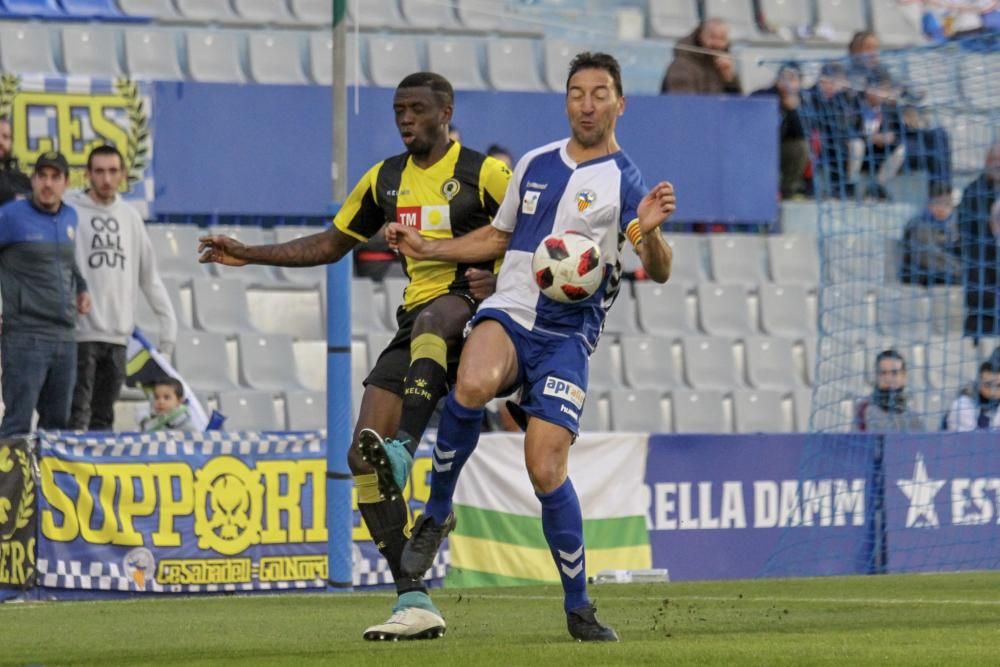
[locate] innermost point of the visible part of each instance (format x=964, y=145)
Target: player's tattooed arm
x=325, y=247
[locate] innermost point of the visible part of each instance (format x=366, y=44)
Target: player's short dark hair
x=439, y=85
x=497, y=149
x=105, y=149
x=604, y=61
x=173, y=383
x=891, y=355
x=938, y=188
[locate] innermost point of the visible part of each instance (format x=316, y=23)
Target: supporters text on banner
x=182, y=512
x=18, y=518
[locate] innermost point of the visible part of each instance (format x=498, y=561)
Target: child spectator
x=169, y=411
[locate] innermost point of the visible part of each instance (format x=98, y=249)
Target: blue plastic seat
x=33, y=8
x=92, y=9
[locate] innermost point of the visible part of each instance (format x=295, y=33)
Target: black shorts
x=394, y=361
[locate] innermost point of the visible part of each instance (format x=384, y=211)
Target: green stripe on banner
x=465, y=578
x=526, y=531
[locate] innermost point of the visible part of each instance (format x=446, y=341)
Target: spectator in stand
x=702, y=64
x=794, y=151
x=979, y=234
x=501, y=153
x=42, y=293
x=931, y=252
x=882, y=130
x=886, y=411
x=13, y=182
x=837, y=136
x=167, y=409
x=976, y=408
x=116, y=257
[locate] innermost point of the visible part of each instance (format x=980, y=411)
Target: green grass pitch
x=949, y=619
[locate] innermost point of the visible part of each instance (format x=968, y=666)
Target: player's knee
x=428, y=321
x=546, y=473
x=357, y=464
x=472, y=390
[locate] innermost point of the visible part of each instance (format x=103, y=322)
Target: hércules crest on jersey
x=584, y=199
x=450, y=188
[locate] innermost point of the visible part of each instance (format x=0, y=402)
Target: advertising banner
x=18, y=518
x=734, y=507
x=942, y=507
x=182, y=512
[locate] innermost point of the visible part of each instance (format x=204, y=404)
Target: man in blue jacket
x=42, y=293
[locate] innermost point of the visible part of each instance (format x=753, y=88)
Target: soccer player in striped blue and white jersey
x=585, y=183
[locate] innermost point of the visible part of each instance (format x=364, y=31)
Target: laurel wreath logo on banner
x=137, y=150
x=9, y=85
x=26, y=506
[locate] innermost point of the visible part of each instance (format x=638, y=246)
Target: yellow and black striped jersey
x=459, y=193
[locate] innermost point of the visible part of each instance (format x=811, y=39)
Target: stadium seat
x=838, y=20
x=429, y=14
x=802, y=399
x=26, y=49
x=485, y=15
x=251, y=274
x=312, y=12
x=296, y=312
x=367, y=307
x=738, y=14
x=593, y=418
x=737, y=258
x=304, y=275
x=648, y=362
x=701, y=411
x=794, y=259
x=161, y=10
x=709, y=363
x=310, y=362
x=604, y=370
x=770, y=364
x=182, y=309
x=759, y=411
x=642, y=64
x=623, y=317
x=176, y=249
x=392, y=57
x=376, y=342
x=637, y=410
x=688, y=265
x=305, y=410
x=276, y=57
x=263, y=11
x=90, y=51
x=375, y=14
x=220, y=305
x=202, y=360
x=267, y=362
x=458, y=60
x=43, y=9
x=785, y=311
x=840, y=366
x=663, y=309
x=672, y=18
x=102, y=10
x=787, y=17
x=207, y=11
x=951, y=363
x=935, y=73
x=978, y=85
x=847, y=309
x=249, y=410
x=360, y=368
x=512, y=64
x=933, y=406
x=903, y=312
x=214, y=57
x=321, y=60
x=723, y=310
x=151, y=54
x=558, y=54
x=893, y=26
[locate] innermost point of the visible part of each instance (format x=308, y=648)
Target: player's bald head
x=438, y=85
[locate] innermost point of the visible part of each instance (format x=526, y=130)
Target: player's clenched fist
x=221, y=250
x=405, y=240
x=658, y=205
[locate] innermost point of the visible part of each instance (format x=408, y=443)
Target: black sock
x=388, y=523
x=426, y=382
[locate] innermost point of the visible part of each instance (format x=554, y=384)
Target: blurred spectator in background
x=979, y=233
x=931, y=251
x=501, y=153
x=976, y=409
x=837, y=136
x=116, y=257
x=13, y=182
x=886, y=410
x=794, y=151
x=42, y=293
x=702, y=64
x=882, y=131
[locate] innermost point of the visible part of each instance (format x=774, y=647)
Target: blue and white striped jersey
x=549, y=193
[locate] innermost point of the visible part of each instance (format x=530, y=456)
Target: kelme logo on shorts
x=565, y=390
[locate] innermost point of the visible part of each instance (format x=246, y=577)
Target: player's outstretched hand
x=221, y=250
x=658, y=205
x=405, y=240
x=481, y=283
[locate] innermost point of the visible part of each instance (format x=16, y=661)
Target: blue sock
x=562, y=523
x=458, y=434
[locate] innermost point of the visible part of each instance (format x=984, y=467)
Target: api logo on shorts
x=565, y=390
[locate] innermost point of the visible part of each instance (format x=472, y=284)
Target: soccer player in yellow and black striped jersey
x=444, y=190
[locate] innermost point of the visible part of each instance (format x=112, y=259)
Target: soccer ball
x=568, y=266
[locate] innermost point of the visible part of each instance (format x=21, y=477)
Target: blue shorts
x=551, y=371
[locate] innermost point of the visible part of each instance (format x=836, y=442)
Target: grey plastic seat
x=738, y=14
x=202, y=361
x=456, y=60
x=947, y=310
x=295, y=311
x=786, y=16
x=393, y=57
x=304, y=275
x=305, y=410
x=794, y=259
x=723, y=310
x=846, y=310
x=840, y=366
x=841, y=18
x=903, y=312
x=648, y=363
x=312, y=12
x=892, y=26
x=486, y=15
x=759, y=411
x=663, y=309
x=672, y=18
x=623, y=317
x=784, y=311
x=90, y=51
x=709, y=363
x=268, y=362
x=366, y=307
x=207, y=11
x=376, y=14
x=558, y=54
x=182, y=313
x=26, y=49
x=263, y=11
x=951, y=363
x=637, y=410
x=512, y=64
x=688, y=260
x=152, y=54
x=214, y=57
x=176, y=249
x=593, y=418
x=430, y=14
x=700, y=411
x=250, y=274
x=604, y=371
x=161, y=10
x=737, y=258
x=802, y=406
x=276, y=57
x=220, y=305
x=770, y=364
x=853, y=258
x=248, y=410
x=359, y=371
